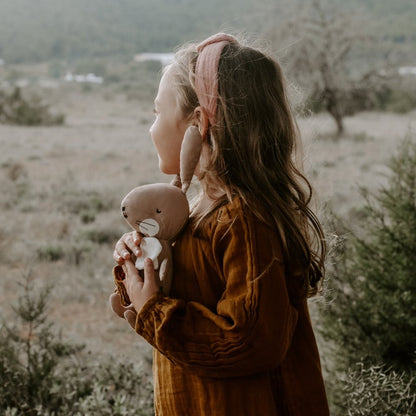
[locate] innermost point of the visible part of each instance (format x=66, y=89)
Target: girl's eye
x=158, y=211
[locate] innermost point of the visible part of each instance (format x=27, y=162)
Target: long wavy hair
x=251, y=154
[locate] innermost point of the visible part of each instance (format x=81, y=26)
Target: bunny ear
x=176, y=181
x=190, y=153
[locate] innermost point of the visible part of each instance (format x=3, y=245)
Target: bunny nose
x=123, y=210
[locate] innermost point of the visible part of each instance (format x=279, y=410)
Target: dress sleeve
x=250, y=329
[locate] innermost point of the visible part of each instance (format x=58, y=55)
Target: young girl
x=234, y=337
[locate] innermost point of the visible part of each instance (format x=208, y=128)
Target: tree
x=322, y=42
x=42, y=373
x=370, y=313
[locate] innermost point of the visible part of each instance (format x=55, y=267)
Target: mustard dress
x=229, y=340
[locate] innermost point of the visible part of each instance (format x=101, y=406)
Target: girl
x=234, y=336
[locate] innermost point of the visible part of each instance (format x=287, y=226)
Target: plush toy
x=159, y=212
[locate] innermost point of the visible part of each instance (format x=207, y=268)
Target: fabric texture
x=206, y=72
x=228, y=340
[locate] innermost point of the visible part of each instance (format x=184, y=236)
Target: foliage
x=42, y=374
x=71, y=29
x=398, y=97
x=371, y=310
x=28, y=111
x=374, y=310
x=325, y=42
x=379, y=391
x=51, y=252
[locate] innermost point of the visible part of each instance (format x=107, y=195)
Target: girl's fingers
x=130, y=317
x=117, y=257
x=128, y=243
x=150, y=279
x=131, y=241
x=130, y=271
x=116, y=305
x=138, y=289
x=121, y=249
x=137, y=238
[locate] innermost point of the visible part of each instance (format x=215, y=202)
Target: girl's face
x=169, y=126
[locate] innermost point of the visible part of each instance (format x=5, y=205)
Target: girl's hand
x=128, y=313
x=140, y=291
x=128, y=243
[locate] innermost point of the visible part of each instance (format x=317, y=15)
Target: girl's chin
x=168, y=170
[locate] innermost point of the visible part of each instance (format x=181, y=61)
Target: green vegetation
x=72, y=29
x=27, y=111
x=44, y=374
x=379, y=391
x=370, y=313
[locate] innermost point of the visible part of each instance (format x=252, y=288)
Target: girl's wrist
x=147, y=306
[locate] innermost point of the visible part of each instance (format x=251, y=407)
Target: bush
x=398, y=96
x=379, y=391
x=374, y=312
x=50, y=252
x=100, y=236
x=16, y=109
x=370, y=311
x=42, y=374
x=87, y=204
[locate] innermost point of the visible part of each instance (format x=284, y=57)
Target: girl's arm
x=251, y=329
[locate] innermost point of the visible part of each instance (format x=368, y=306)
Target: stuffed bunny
x=159, y=212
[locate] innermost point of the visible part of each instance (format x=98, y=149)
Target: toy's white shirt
x=151, y=248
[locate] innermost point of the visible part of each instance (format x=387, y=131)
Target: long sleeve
x=251, y=326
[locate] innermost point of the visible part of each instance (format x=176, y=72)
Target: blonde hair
x=251, y=153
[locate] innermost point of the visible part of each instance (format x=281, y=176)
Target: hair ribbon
x=206, y=72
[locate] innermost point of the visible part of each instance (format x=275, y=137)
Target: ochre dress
x=228, y=340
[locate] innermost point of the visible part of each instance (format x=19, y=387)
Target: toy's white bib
x=151, y=248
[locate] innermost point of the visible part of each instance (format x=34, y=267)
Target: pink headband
x=206, y=72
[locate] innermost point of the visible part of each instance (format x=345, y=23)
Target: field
x=60, y=189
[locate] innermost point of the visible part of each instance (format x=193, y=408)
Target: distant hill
x=41, y=30
x=44, y=29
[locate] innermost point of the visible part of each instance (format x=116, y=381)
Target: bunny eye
x=158, y=211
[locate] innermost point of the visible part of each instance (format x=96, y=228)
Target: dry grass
x=338, y=168
x=61, y=186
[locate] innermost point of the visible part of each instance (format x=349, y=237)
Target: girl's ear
x=202, y=121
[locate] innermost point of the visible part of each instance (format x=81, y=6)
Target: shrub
x=374, y=312
x=370, y=311
x=398, y=97
x=101, y=236
x=87, y=204
x=51, y=252
x=15, y=171
x=377, y=390
x=42, y=374
x=28, y=111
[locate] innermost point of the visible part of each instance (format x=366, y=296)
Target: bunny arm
x=151, y=247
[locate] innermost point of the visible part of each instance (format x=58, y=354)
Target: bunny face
x=156, y=210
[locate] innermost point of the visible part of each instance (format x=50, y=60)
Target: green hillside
x=44, y=29
x=35, y=31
